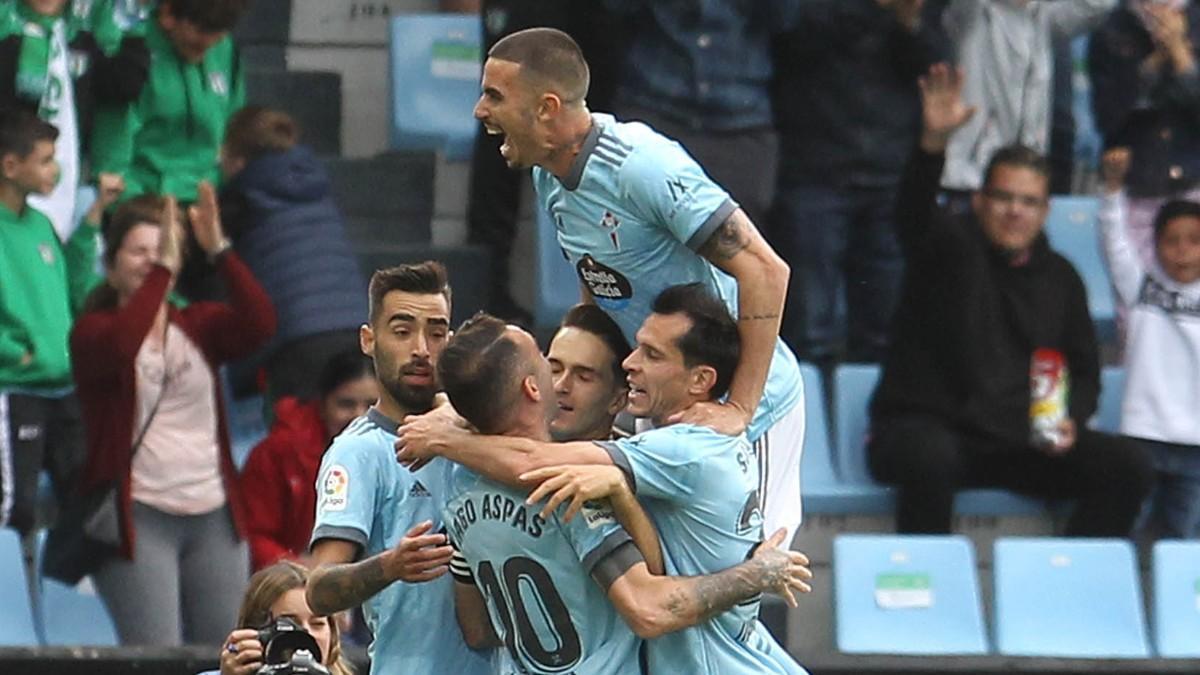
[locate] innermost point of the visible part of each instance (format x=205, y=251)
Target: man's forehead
x=577, y=347
x=420, y=306
x=662, y=330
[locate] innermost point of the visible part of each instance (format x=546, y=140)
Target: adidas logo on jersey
x=418, y=490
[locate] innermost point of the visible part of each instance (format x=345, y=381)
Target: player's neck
x=569, y=142
x=391, y=409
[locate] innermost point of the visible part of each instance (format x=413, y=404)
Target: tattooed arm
x=739, y=250
x=338, y=584
x=656, y=605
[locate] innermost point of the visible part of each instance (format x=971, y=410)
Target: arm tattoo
x=731, y=238
x=334, y=588
x=758, y=317
x=704, y=597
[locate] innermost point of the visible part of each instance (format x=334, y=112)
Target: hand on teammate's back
x=423, y=437
x=577, y=482
x=727, y=418
x=419, y=556
x=784, y=572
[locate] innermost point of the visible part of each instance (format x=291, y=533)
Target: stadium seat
x=1177, y=599
x=435, y=73
x=557, y=287
x=1076, y=598
x=70, y=615
x=17, y=627
x=1071, y=228
x=1108, y=410
x=906, y=595
x=853, y=386
x=820, y=487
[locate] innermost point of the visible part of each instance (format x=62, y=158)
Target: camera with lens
x=288, y=649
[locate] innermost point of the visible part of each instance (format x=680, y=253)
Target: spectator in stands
x=280, y=475
x=274, y=593
x=982, y=292
x=589, y=382
x=59, y=58
x=1006, y=49
x=848, y=113
x=147, y=377
x=44, y=284
x=277, y=205
x=1146, y=96
x=167, y=140
x=1162, y=351
x=699, y=73
x=494, y=196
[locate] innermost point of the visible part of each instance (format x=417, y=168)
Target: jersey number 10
x=525, y=594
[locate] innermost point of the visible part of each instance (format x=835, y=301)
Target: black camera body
x=288, y=649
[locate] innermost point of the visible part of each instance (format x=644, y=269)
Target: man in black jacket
x=980, y=295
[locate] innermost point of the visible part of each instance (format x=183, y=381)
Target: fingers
x=788, y=597
x=576, y=504
x=558, y=498
x=170, y=211
x=428, y=556
x=798, y=558
x=547, y=486
x=418, y=529
x=428, y=575
x=538, y=475
x=776, y=539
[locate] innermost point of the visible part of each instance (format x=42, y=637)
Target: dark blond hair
x=255, y=131
x=268, y=585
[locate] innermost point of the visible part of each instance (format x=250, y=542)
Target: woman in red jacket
x=146, y=374
x=279, y=479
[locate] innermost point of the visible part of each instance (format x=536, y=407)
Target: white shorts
x=779, y=451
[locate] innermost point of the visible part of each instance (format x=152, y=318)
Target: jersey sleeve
x=658, y=461
x=347, y=491
x=599, y=542
x=669, y=189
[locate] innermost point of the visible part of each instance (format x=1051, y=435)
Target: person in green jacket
x=43, y=286
x=168, y=139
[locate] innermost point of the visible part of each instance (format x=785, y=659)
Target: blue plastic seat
x=906, y=595
x=435, y=74
x=1075, y=598
x=1108, y=409
x=557, y=288
x=854, y=385
x=820, y=488
x=71, y=615
x=1177, y=599
x=1071, y=228
x=17, y=627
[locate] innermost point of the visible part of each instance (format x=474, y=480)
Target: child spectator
x=44, y=283
x=59, y=58
x=279, y=207
x=1162, y=352
x=280, y=477
x=147, y=378
x=166, y=140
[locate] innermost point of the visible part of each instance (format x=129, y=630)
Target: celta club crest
x=611, y=223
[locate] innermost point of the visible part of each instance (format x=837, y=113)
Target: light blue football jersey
x=700, y=487
x=365, y=496
x=630, y=217
x=536, y=575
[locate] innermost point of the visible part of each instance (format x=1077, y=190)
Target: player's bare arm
x=656, y=605
x=338, y=584
x=737, y=248
x=472, y=613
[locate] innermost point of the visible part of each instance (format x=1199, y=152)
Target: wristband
x=222, y=249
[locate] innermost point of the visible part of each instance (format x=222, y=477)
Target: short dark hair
x=210, y=16
x=425, y=278
x=480, y=369
x=590, y=318
x=1017, y=155
x=548, y=55
x=20, y=129
x=343, y=367
x=713, y=338
x=1175, y=208
x=255, y=131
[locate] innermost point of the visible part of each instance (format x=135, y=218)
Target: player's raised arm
x=737, y=248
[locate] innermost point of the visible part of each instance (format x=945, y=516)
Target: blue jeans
x=1173, y=507
x=846, y=269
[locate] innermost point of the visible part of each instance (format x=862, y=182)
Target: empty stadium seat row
x=1071, y=598
x=834, y=477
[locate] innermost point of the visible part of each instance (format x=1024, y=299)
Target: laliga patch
x=597, y=513
x=335, y=489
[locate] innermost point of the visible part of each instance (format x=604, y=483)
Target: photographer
x=274, y=593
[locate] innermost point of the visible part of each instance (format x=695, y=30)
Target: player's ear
x=529, y=388
x=549, y=105
x=366, y=340
x=701, y=381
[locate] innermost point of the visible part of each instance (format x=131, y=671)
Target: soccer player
x=374, y=542
x=635, y=214
x=699, y=486
x=533, y=569
x=585, y=359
